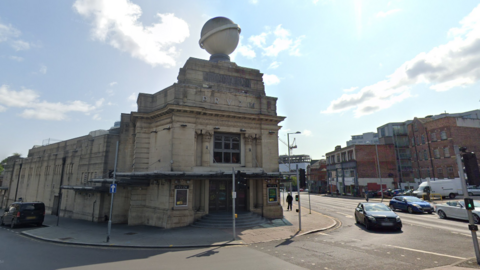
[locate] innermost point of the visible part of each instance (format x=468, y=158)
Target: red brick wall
x=367, y=161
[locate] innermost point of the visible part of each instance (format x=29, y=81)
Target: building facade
x=433, y=141
x=353, y=169
x=177, y=155
x=365, y=138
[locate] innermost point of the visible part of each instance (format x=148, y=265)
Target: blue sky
x=338, y=68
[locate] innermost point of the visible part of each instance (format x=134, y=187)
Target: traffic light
x=301, y=173
x=471, y=168
x=296, y=198
x=469, y=204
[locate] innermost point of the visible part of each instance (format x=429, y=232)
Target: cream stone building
x=176, y=155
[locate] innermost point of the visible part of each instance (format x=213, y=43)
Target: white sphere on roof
x=219, y=36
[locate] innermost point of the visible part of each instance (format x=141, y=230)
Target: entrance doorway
x=220, y=195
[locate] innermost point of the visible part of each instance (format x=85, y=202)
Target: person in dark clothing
x=289, y=201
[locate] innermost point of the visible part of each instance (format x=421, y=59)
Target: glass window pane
x=236, y=146
x=226, y=145
x=226, y=157
x=218, y=145
x=235, y=157
x=217, y=156
x=218, y=138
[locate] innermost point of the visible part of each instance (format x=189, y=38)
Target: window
x=450, y=173
x=434, y=136
x=416, y=139
x=425, y=155
x=226, y=148
x=440, y=173
x=181, y=195
x=436, y=153
x=443, y=135
x=413, y=141
x=446, y=152
x=423, y=138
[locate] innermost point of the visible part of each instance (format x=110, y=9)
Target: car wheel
x=39, y=224
x=356, y=219
x=398, y=229
x=12, y=224
x=470, y=194
x=410, y=210
x=392, y=207
x=430, y=212
x=451, y=196
x=476, y=219
x=1, y=224
x=367, y=225
x=441, y=214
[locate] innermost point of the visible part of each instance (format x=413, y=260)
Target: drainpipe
x=64, y=159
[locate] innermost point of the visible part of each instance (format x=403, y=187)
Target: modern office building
x=365, y=138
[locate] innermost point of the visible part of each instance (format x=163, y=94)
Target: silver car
x=473, y=190
x=456, y=209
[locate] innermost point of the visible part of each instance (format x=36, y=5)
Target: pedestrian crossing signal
x=296, y=198
x=469, y=204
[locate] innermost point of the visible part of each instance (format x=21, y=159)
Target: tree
x=5, y=161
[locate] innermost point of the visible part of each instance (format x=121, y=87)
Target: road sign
x=113, y=188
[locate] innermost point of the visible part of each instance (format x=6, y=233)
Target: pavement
x=83, y=232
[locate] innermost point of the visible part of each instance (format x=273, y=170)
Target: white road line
x=428, y=252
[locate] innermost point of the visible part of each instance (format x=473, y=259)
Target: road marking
x=349, y=216
x=322, y=233
x=427, y=252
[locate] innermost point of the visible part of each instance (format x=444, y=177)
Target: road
x=425, y=242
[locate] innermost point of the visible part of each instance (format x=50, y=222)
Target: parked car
x=24, y=213
x=410, y=204
x=408, y=192
x=397, y=192
x=377, y=215
x=386, y=193
x=456, y=209
x=473, y=190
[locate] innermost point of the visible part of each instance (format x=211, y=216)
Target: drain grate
x=66, y=238
x=130, y=233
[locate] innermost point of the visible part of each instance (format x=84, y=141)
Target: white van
x=446, y=188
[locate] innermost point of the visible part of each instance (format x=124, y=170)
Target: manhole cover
x=66, y=238
x=131, y=233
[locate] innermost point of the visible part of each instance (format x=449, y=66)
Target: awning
x=87, y=188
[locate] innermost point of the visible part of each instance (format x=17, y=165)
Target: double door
x=220, y=195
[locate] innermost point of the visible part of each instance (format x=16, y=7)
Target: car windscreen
x=376, y=207
x=413, y=199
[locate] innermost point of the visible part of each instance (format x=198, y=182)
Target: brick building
x=353, y=168
x=432, y=141
x=317, y=176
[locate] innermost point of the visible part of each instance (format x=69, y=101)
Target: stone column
x=248, y=151
x=258, y=153
x=206, y=149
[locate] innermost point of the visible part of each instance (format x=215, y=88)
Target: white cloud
x=99, y=102
x=253, y=2
x=307, y=133
x=116, y=23
x=384, y=14
x=43, y=69
x=351, y=89
x=133, y=98
x=447, y=66
x=2, y=108
x=110, y=92
x=274, y=65
x=20, y=45
x=282, y=42
x=96, y=117
x=38, y=109
x=113, y=83
x=9, y=34
x=245, y=50
x=16, y=58
x=270, y=79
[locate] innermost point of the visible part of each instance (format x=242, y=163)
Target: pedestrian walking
x=366, y=195
x=289, y=201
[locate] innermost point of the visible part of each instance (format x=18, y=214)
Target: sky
x=338, y=68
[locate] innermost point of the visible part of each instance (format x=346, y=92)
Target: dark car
x=397, y=192
x=410, y=204
x=24, y=213
x=377, y=215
